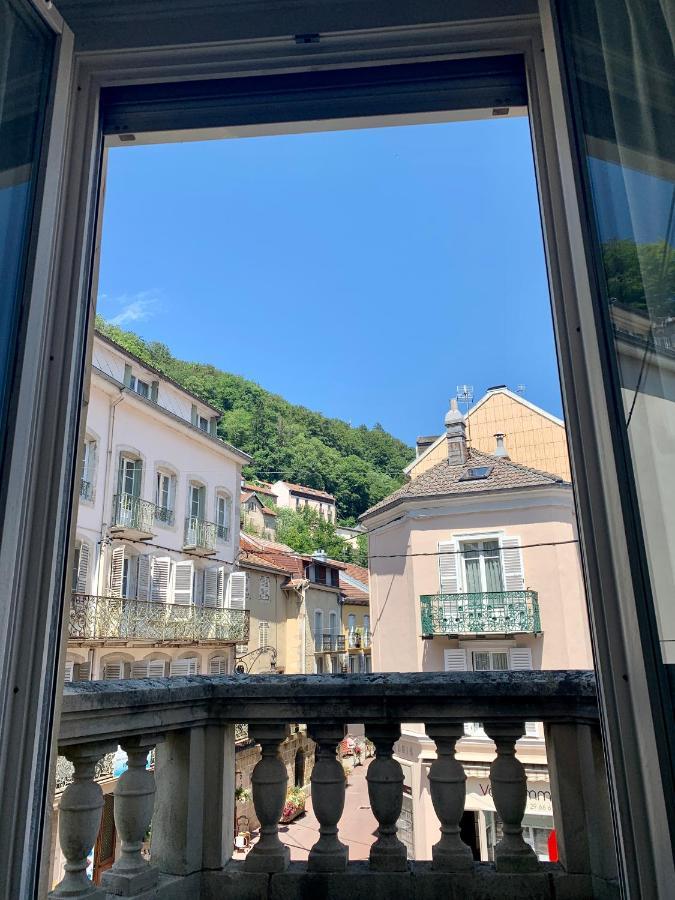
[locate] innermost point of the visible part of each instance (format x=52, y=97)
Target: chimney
x=455, y=433
x=500, y=449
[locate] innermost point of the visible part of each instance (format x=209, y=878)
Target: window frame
x=635, y=723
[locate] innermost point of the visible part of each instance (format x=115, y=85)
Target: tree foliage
x=359, y=466
x=641, y=275
x=306, y=532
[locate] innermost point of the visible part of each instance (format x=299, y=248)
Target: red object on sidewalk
x=553, y=847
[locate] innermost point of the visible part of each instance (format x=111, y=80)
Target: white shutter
x=113, y=671
x=263, y=634
x=183, y=577
x=531, y=729
x=156, y=668
x=449, y=568
x=70, y=667
x=83, y=569
x=161, y=568
x=454, y=660
x=143, y=581
x=520, y=658
x=185, y=666
x=512, y=563
x=236, y=590
x=218, y=666
x=139, y=669
x=214, y=579
x=116, y=570
x=81, y=672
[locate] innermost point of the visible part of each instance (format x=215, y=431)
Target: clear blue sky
x=364, y=274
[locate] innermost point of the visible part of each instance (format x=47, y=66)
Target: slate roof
x=444, y=480
x=303, y=489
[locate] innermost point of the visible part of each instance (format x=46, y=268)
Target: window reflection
x=621, y=55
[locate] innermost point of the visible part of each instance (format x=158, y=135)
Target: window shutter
x=520, y=658
x=156, y=668
x=185, y=666
x=531, y=730
x=213, y=581
x=455, y=660
x=143, y=582
x=263, y=634
x=139, y=669
x=116, y=571
x=83, y=569
x=512, y=563
x=161, y=568
x=82, y=672
x=236, y=590
x=69, y=670
x=183, y=580
x=449, y=567
x=218, y=666
x=113, y=671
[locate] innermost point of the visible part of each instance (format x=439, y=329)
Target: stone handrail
x=192, y=722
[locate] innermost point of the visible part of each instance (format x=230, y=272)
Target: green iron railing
x=491, y=612
x=133, y=514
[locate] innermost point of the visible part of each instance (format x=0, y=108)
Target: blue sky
x=364, y=274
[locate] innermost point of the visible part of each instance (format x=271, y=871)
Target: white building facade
x=154, y=587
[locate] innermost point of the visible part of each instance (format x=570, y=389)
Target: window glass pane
x=500, y=661
x=26, y=48
x=621, y=56
x=481, y=661
x=493, y=574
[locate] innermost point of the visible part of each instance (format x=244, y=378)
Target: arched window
x=88, y=478
x=351, y=621
x=165, y=496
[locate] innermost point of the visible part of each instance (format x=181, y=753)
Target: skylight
x=476, y=473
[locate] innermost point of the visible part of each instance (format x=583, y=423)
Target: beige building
x=531, y=435
x=475, y=566
x=299, y=496
x=355, y=600
x=256, y=517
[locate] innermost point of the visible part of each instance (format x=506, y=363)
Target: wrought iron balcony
x=86, y=488
x=492, y=612
x=358, y=639
x=164, y=515
x=114, y=618
x=332, y=643
x=194, y=723
x=132, y=517
x=200, y=536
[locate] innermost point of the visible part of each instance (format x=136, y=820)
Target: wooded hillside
x=359, y=465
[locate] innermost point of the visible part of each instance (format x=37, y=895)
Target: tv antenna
x=520, y=389
x=464, y=396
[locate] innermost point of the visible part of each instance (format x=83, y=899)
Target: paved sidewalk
x=356, y=829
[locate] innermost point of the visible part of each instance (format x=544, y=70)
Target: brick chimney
x=455, y=434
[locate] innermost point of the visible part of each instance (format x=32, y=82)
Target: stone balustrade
x=189, y=797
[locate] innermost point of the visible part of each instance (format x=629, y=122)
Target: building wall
x=553, y=571
x=267, y=602
x=532, y=439
x=285, y=497
x=96, y=656
x=325, y=599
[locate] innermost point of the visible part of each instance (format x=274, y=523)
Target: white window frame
x=481, y=559
x=223, y=497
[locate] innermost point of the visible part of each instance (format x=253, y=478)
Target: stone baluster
x=134, y=801
x=79, y=821
x=328, y=800
x=448, y=795
x=385, y=789
x=269, y=781
x=509, y=792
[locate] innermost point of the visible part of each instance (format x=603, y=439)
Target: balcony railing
x=358, y=640
x=492, y=612
x=332, y=643
x=133, y=514
x=193, y=723
x=164, y=515
x=113, y=618
x=86, y=488
x=199, y=535
x=223, y=532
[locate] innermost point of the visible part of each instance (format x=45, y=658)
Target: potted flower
x=242, y=795
x=294, y=805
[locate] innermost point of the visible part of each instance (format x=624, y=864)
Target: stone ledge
x=420, y=882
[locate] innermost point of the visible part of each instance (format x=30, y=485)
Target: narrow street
x=357, y=825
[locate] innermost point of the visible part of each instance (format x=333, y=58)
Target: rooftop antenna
x=520, y=389
x=464, y=396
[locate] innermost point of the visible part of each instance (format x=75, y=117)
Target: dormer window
x=203, y=424
x=140, y=387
